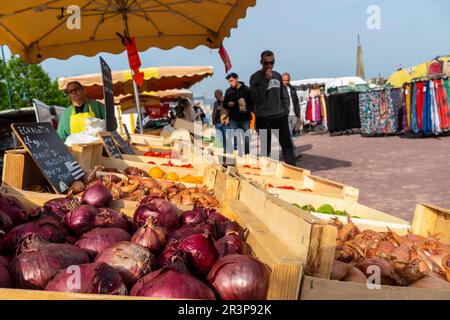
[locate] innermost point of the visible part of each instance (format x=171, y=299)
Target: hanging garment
x=443, y=108
x=396, y=102
x=309, y=116
x=413, y=120
x=434, y=113
x=426, y=121
x=323, y=106
x=408, y=104
x=318, y=113
x=419, y=103
x=404, y=124
x=343, y=111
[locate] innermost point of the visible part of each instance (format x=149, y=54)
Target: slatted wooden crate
x=428, y=219
x=87, y=154
x=282, y=251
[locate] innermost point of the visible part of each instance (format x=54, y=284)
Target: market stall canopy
x=155, y=79
x=328, y=82
x=398, y=78
x=39, y=29
x=160, y=96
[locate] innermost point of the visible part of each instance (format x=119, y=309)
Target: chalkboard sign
x=122, y=144
x=126, y=132
x=108, y=94
x=50, y=154
x=110, y=145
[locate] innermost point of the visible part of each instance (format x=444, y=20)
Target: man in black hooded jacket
x=271, y=107
x=238, y=101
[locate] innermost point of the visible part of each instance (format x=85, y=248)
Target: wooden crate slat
x=286, y=267
x=321, y=289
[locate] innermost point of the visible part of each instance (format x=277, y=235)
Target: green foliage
x=28, y=81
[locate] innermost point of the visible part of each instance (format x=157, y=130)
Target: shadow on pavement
x=318, y=163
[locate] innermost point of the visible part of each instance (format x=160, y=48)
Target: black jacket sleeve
x=227, y=99
x=258, y=88
x=295, y=101
x=249, y=100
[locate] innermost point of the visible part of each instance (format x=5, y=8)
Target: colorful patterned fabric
x=377, y=112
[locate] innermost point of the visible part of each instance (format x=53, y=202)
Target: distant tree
x=28, y=81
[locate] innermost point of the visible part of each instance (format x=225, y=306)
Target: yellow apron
x=78, y=120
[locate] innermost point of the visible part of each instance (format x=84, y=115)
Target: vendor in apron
x=74, y=117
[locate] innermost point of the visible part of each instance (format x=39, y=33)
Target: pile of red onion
x=84, y=246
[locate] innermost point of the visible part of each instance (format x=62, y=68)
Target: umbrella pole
x=138, y=107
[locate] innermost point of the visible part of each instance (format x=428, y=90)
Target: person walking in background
x=294, y=105
x=271, y=101
x=239, y=103
x=200, y=114
x=217, y=119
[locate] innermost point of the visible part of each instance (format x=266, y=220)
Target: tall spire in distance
x=359, y=61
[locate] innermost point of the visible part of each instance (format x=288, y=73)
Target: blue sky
x=310, y=39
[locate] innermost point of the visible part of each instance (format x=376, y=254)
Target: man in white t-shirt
x=294, y=105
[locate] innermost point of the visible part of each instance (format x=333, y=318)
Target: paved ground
x=393, y=174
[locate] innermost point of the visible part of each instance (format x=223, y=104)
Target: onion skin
x=161, y=211
x=150, y=236
x=355, y=275
x=167, y=283
x=4, y=261
x=201, y=252
x=388, y=275
x=228, y=227
x=238, y=277
x=81, y=219
x=5, y=277
x=193, y=217
x=232, y=244
x=95, y=278
x=214, y=215
x=340, y=269
x=109, y=218
x=97, y=240
x=13, y=208
x=170, y=249
x=97, y=196
x=47, y=227
x=187, y=231
x=6, y=223
x=36, y=265
x=59, y=207
x=130, y=260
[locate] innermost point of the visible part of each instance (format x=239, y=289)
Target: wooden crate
x=317, y=285
x=283, y=254
x=366, y=216
x=20, y=170
x=147, y=140
x=87, y=154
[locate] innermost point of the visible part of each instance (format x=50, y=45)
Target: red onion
x=97, y=240
x=232, y=244
x=47, y=227
x=238, y=277
x=170, y=249
x=39, y=261
x=92, y=278
x=5, y=277
x=130, y=260
x=97, y=196
x=151, y=236
x=200, y=251
x=110, y=218
x=216, y=216
x=6, y=223
x=187, y=231
x=162, y=212
x=173, y=282
x=81, y=219
x=13, y=208
x=59, y=207
x=387, y=271
x=4, y=261
x=193, y=217
x=228, y=227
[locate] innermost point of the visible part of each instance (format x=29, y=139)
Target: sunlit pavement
x=393, y=174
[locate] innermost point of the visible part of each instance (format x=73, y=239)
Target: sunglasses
x=73, y=90
x=271, y=63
